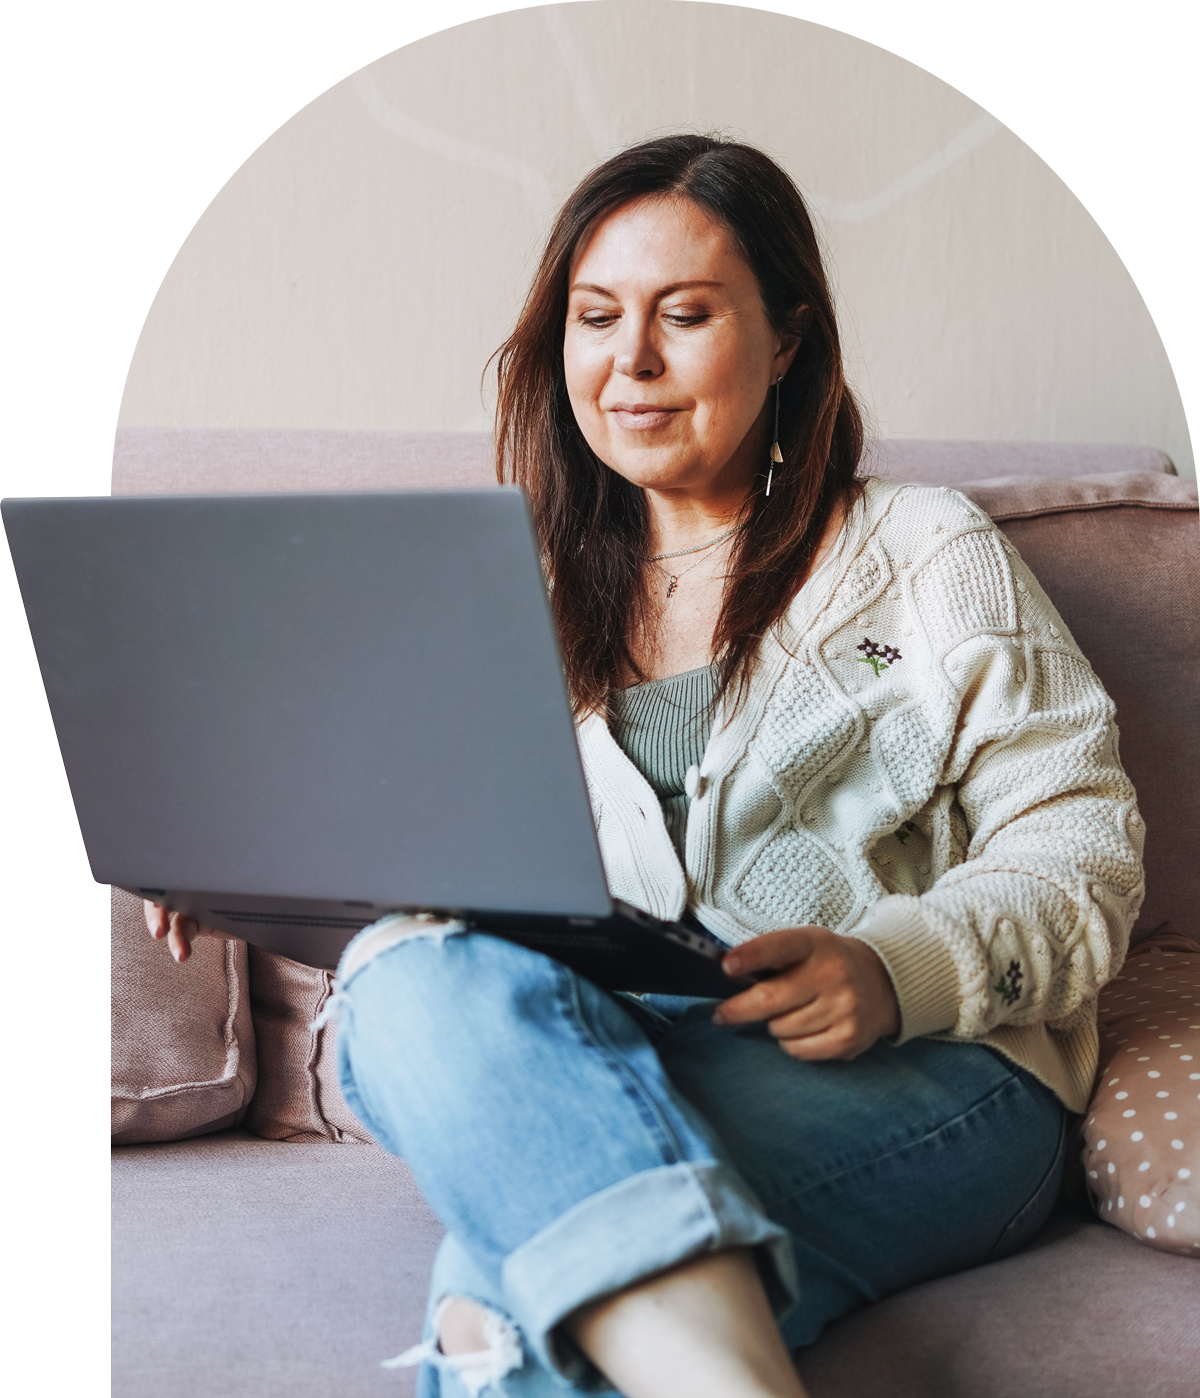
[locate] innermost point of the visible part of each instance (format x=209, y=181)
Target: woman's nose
x=637, y=357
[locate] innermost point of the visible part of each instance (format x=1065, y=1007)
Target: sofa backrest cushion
x=183, y=1059
x=298, y=1098
x=952, y=462
x=199, y=461
x=1119, y=556
x=175, y=460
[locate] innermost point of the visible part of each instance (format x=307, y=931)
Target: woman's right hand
x=177, y=928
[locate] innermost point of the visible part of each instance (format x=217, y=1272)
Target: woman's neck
x=677, y=623
x=680, y=521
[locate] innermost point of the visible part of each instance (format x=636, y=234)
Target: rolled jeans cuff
x=621, y=1235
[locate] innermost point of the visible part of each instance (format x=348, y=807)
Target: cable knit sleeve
x=1036, y=842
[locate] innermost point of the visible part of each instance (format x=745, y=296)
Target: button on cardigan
x=926, y=761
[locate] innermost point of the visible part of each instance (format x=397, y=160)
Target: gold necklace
x=673, y=578
x=712, y=543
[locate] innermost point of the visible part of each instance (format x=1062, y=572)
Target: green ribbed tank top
x=662, y=726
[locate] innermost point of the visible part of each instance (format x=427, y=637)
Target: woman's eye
x=598, y=318
x=685, y=317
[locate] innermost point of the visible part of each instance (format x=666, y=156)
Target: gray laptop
x=288, y=715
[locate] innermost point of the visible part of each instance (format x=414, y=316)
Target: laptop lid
x=326, y=696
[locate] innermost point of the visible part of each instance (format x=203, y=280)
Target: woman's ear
x=789, y=342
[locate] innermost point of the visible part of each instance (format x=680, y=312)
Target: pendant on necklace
x=671, y=586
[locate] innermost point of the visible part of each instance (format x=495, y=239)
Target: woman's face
x=668, y=351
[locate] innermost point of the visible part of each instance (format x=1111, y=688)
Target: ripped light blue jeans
x=573, y=1141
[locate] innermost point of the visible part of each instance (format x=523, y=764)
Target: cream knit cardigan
x=958, y=802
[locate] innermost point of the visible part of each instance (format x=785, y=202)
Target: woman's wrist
x=881, y=1004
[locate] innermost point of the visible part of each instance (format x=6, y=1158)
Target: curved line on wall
x=534, y=184
x=590, y=107
x=990, y=123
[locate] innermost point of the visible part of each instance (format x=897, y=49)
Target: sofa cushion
x=952, y=462
x=244, y=1268
x=196, y=461
x=192, y=460
x=1082, y=1312
x=1119, y=556
x=1142, y=1129
x=297, y=1098
x=183, y=1060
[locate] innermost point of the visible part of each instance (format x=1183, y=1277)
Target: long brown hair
x=592, y=523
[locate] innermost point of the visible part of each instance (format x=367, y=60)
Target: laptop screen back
x=351, y=696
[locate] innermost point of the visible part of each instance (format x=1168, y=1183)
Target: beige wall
x=360, y=268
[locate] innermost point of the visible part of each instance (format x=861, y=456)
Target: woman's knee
x=462, y=1326
x=390, y=932
x=423, y=973
x=417, y=991
x=475, y=1344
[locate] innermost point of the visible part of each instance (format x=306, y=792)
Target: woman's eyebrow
x=662, y=291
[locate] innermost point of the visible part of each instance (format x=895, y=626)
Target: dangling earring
x=776, y=457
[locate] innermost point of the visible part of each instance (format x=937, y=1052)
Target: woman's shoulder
x=928, y=546
x=935, y=550
x=898, y=506
x=896, y=528
x=912, y=530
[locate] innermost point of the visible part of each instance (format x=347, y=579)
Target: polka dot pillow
x=1142, y=1130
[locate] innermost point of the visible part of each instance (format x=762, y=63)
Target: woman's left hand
x=832, y=998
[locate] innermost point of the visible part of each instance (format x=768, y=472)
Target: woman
x=838, y=724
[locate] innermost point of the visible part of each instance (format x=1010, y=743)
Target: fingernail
x=733, y=965
x=718, y=1017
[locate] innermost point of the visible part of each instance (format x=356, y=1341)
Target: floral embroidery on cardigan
x=878, y=656
x=1009, y=984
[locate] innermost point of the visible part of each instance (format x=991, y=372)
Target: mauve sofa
x=245, y=1266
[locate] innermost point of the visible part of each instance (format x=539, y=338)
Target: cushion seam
x=1073, y=506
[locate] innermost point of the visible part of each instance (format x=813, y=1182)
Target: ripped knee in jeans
x=476, y=1344
x=378, y=936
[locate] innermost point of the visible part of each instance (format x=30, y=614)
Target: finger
x=773, y=951
x=179, y=938
x=789, y=991
x=832, y=1001
x=819, y=1015
x=156, y=920
x=841, y=1040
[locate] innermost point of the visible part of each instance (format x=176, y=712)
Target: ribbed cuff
x=919, y=962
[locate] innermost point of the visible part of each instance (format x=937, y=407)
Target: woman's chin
x=661, y=470
x=699, y=479
x=663, y=482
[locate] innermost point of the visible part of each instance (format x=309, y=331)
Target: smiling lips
x=641, y=417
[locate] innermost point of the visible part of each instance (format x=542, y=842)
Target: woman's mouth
x=641, y=417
